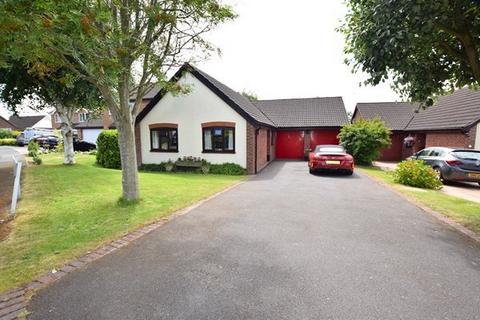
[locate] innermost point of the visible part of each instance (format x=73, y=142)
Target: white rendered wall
x=189, y=112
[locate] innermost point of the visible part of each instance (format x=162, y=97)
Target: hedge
x=8, y=142
x=108, y=150
x=416, y=173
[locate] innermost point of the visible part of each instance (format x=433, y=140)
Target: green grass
x=67, y=210
x=462, y=211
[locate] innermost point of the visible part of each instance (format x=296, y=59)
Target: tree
x=363, y=139
x=250, y=95
x=427, y=46
x=55, y=90
x=122, y=47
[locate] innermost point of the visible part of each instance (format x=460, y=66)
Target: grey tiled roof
x=455, y=111
x=305, y=112
x=396, y=115
x=92, y=124
x=243, y=103
x=21, y=123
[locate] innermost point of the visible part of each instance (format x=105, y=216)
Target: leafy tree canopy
x=250, y=95
x=427, y=46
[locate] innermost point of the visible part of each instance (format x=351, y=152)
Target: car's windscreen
x=467, y=155
x=330, y=149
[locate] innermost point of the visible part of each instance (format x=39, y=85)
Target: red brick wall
x=447, y=139
x=394, y=152
x=250, y=148
x=262, y=148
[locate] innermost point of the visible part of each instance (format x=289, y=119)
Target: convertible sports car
x=330, y=157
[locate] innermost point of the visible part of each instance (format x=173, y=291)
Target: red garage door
x=318, y=137
x=289, y=145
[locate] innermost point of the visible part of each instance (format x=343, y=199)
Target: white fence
x=17, y=170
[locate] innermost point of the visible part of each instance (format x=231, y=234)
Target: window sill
x=224, y=152
x=164, y=151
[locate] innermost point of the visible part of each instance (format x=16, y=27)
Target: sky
x=287, y=49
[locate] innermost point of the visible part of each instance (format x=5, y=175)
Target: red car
x=330, y=157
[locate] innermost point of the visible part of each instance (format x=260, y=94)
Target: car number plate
x=332, y=162
x=474, y=175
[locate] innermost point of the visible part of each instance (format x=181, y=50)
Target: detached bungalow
x=396, y=115
x=220, y=125
x=453, y=121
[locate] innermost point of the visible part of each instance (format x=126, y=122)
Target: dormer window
x=83, y=117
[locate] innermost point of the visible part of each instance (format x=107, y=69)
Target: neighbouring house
x=396, y=115
x=36, y=122
x=88, y=126
x=220, y=125
x=453, y=121
x=5, y=124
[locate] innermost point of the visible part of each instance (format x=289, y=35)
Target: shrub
x=363, y=139
x=8, y=142
x=153, y=167
x=37, y=160
x=108, y=151
x=228, y=168
x=33, y=148
x=8, y=134
x=417, y=173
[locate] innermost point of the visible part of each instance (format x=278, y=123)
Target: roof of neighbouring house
x=304, y=112
x=96, y=123
x=311, y=112
x=11, y=125
x=458, y=110
x=21, y=123
x=396, y=115
x=150, y=93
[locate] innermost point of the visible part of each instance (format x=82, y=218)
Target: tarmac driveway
x=284, y=245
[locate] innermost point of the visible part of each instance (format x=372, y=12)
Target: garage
x=289, y=144
x=90, y=135
x=318, y=137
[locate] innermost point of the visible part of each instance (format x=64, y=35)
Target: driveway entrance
x=284, y=245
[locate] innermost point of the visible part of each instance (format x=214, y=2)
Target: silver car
x=452, y=164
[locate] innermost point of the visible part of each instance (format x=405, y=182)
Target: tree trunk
x=126, y=140
x=66, y=114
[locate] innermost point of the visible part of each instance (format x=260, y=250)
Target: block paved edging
x=439, y=216
x=13, y=303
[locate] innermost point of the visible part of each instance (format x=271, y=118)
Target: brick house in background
x=88, y=126
x=220, y=125
x=396, y=115
x=453, y=121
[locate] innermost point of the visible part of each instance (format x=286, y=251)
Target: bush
x=33, y=148
x=153, y=167
x=417, y=173
x=6, y=134
x=108, y=151
x=8, y=142
x=37, y=160
x=363, y=139
x=228, y=168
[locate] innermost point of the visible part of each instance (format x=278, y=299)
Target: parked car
x=22, y=140
x=30, y=133
x=452, y=164
x=49, y=141
x=330, y=157
x=80, y=145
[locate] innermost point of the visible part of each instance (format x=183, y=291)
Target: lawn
x=67, y=210
x=462, y=211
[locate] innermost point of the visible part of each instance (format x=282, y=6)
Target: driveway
x=284, y=245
